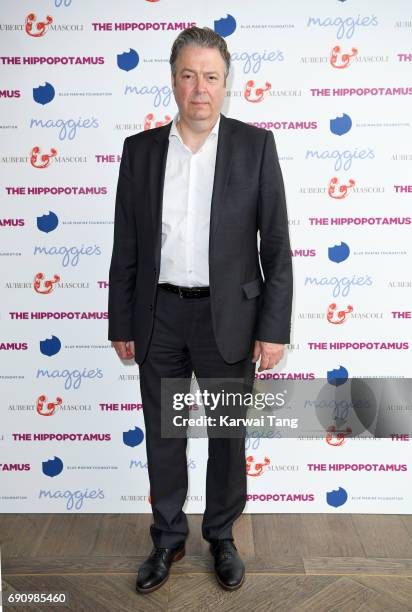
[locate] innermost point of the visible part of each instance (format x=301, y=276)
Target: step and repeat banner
x=332, y=80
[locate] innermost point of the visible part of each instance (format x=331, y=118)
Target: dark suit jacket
x=248, y=196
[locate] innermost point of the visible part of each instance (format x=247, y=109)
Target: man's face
x=199, y=85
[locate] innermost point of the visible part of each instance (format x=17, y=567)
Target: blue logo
x=225, y=26
x=70, y=255
x=161, y=95
x=345, y=26
x=52, y=467
x=340, y=125
x=336, y=498
x=339, y=252
x=338, y=376
x=47, y=223
x=50, y=346
x=43, y=94
x=133, y=437
x=341, y=286
x=67, y=127
x=252, y=62
x=74, y=499
x=72, y=378
x=342, y=159
x=128, y=60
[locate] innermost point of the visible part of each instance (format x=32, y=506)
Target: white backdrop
x=332, y=79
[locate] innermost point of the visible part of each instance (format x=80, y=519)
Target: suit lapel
x=224, y=155
x=157, y=170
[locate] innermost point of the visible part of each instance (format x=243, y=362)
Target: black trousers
x=182, y=343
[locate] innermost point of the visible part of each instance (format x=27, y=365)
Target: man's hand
x=270, y=354
x=125, y=349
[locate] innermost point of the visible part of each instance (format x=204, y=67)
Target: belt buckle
x=180, y=292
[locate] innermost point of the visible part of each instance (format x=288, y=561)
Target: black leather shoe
x=229, y=567
x=154, y=571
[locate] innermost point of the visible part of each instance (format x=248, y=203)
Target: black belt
x=186, y=292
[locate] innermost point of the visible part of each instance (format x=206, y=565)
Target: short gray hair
x=199, y=37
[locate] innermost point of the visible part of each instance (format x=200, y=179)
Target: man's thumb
x=256, y=352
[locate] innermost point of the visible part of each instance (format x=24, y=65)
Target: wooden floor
x=300, y=562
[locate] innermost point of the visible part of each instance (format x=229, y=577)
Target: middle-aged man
x=186, y=292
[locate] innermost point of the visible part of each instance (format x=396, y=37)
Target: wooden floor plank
x=342, y=595
x=383, y=535
x=328, y=535
x=124, y=534
x=356, y=565
x=29, y=528
x=301, y=563
x=399, y=589
x=258, y=593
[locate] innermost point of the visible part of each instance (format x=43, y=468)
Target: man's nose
x=200, y=83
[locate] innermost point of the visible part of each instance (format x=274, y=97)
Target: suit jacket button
x=151, y=307
x=154, y=269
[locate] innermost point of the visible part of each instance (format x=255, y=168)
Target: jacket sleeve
x=274, y=319
x=123, y=266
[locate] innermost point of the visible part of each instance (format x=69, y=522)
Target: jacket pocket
x=252, y=288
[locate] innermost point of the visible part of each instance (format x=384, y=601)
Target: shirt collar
x=174, y=131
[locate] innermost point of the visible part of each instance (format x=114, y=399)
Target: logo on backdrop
x=339, y=252
x=50, y=346
x=341, y=286
x=225, y=26
x=128, y=60
x=74, y=499
x=341, y=60
x=254, y=468
x=37, y=29
x=47, y=223
x=338, y=192
x=41, y=160
x=52, y=467
x=133, y=437
x=343, y=159
x=70, y=255
x=337, y=498
x=252, y=62
x=67, y=127
x=337, y=376
x=255, y=94
x=43, y=285
x=334, y=438
x=162, y=94
x=43, y=94
x=45, y=408
x=72, y=378
x=336, y=317
x=340, y=125
x=345, y=27
x=150, y=121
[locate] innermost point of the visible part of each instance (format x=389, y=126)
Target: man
x=186, y=292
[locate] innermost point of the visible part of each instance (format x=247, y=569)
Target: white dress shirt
x=187, y=197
